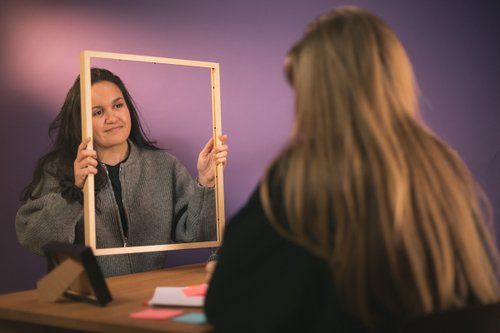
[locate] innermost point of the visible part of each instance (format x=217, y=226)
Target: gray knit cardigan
x=162, y=204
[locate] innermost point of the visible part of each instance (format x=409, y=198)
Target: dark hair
x=66, y=128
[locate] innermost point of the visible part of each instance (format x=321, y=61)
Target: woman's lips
x=113, y=128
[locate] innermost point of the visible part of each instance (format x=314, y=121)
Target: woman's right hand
x=85, y=163
x=209, y=269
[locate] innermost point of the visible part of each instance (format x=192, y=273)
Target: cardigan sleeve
x=48, y=217
x=194, y=208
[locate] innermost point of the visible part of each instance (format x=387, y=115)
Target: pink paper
x=155, y=314
x=195, y=290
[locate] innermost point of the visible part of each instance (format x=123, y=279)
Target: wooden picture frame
x=74, y=274
x=86, y=113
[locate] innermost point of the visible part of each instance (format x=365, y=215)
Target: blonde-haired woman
x=366, y=218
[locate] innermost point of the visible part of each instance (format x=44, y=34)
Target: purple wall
x=453, y=44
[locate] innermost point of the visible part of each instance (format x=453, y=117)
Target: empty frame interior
x=86, y=106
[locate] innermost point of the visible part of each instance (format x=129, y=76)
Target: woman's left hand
x=211, y=156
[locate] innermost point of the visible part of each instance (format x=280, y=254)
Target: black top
x=69, y=191
x=114, y=177
x=265, y=283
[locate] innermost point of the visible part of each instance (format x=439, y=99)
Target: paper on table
x=195, y=290
x=174, y=296
x=192, y=318
x=155, y=314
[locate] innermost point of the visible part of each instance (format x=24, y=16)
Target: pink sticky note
x=195, y=290
x=155, y=314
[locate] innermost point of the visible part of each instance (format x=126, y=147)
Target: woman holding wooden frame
x=143, y=195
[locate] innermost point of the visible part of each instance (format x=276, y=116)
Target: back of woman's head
x=368, y=187
x=349, y=59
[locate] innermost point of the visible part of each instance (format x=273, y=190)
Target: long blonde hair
x=368, y=187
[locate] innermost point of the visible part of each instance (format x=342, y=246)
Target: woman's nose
x=110, y=116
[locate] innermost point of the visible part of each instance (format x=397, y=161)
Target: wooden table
x=25, y=312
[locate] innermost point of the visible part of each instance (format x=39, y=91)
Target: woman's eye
x=96, y=112
x=118, y=106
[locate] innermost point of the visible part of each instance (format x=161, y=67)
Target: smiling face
x=110, y=118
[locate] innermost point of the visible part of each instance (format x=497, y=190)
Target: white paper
x=173, y=296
